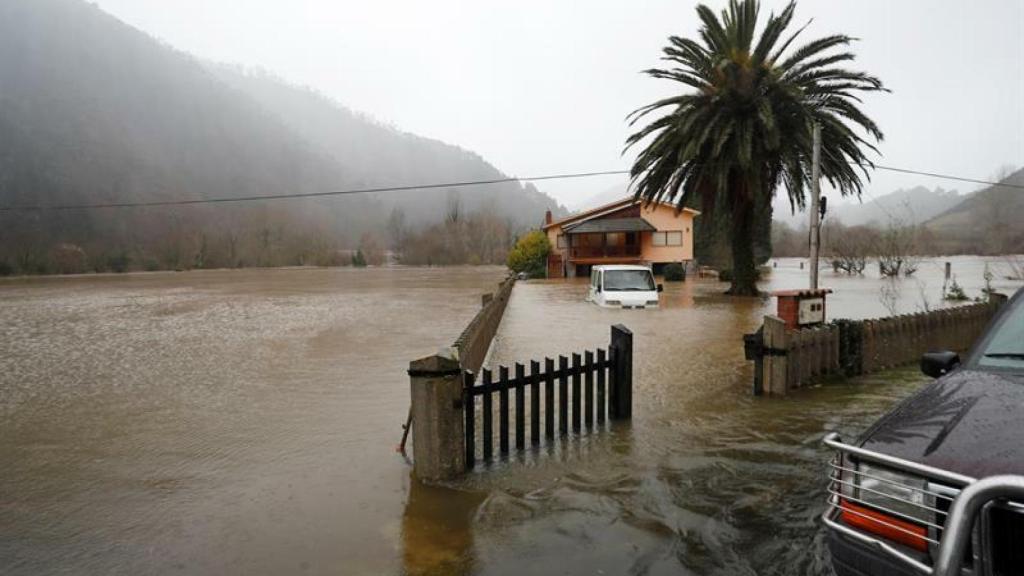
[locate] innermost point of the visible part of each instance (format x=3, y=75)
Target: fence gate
x=577, y=394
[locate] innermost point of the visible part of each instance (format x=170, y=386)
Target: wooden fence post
x=774, y=362
x=621, y=394
x=996, y=299
x=438, y=426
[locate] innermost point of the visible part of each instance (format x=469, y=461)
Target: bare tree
x=398, y=230
x=896, y=249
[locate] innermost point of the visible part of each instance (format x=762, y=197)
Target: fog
x=539, y=87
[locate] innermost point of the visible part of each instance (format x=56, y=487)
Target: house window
x=561, y=241
x=614, y=239
x=668, y=238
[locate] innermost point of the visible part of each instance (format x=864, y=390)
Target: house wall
x=664, y=218
x=661, y=216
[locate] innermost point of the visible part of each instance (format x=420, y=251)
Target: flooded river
x=244, y=422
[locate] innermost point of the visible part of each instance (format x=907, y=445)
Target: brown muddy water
x=244, y=422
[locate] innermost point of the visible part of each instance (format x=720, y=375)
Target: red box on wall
x=801, y=308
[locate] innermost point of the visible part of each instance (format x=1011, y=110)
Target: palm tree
x=744, y=124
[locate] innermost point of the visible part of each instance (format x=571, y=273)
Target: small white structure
x=623, y=286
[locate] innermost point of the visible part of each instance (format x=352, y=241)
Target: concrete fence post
x=438, y=424
x=621, y=394
x=775, y=347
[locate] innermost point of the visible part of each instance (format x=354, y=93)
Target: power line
x=459, y=184
x=306, y=194
x=945, y=176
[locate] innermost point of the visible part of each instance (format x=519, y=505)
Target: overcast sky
x=539, y=87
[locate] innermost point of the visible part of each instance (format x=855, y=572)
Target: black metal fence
x=592, y=387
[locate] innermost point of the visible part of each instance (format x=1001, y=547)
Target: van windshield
x=625, y=280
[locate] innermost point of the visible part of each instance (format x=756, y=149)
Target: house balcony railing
x=623, y=251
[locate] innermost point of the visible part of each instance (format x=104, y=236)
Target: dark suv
x=936, y=486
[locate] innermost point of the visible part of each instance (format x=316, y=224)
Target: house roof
x=611, y=207
x=633, y=224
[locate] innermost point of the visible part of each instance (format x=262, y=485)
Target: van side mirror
x=936, y=364
x=661, y=287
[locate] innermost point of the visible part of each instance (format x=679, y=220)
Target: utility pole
x=815, y=197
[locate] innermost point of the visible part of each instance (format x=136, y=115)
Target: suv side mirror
x=661, y=287
x=936, y=364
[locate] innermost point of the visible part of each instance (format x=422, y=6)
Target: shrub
x=5, y=268
x=530, y=254
x=358, y=260
x=674, y=272
x=955, y=292
x=725, y=275
x=118, y=262
x=69, y=259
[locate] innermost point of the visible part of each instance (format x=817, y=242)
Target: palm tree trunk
x=744, y=271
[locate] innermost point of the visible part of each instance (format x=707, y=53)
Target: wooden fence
x=601, y=383
x=475, y=340
x=445, y=412
x=789, y=359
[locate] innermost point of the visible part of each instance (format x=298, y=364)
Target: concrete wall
x=475, y=340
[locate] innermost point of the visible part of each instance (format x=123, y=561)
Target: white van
x=623, y=286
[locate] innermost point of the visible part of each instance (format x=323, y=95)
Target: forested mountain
x=94, y=111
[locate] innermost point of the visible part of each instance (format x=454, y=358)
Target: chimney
x=547, y=217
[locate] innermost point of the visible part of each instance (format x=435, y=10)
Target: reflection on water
x=245, y=422
x=437, y=532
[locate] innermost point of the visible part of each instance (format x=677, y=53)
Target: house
x=623, y=232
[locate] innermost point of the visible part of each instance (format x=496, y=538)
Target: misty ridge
x=95, y=111
x=932, y=222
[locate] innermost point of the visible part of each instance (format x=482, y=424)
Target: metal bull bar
x=964, y=509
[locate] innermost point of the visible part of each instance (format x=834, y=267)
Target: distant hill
x=908, y=206
x=911, y=206
x=985, y=222
x=95, y=111
x=606, y=196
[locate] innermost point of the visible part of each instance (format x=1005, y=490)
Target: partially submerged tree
x=744, y=125
x=897, y=249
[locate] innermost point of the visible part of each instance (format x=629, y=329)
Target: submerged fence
x=601, y=383
x=444, y=405
x=454, y=403
x=789, y=359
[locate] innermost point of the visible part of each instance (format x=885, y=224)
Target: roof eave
x=593, y=212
